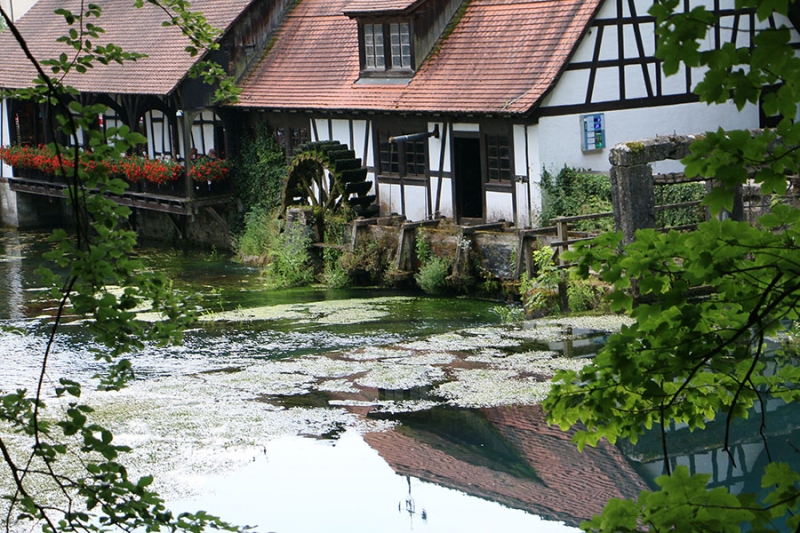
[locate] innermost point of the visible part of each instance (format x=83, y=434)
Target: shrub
x=574, y=192
x=260, y=230
x=432, y=275
x=288, y=258
x=540, y=294
x=679, y=193
x=433, y=271
x=368, y=262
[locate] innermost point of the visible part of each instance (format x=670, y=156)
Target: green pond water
x=311, y=410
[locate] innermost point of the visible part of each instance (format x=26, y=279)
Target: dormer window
x=373, y=47
x=401, y=45
x=395, y=36
x=386, y=48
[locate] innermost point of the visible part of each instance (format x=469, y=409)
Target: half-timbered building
x=153, y=95
x=482, y=95
x=455, y=107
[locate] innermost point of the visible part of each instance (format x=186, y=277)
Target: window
x=373, y=47
x=387, y=50
x=405, y=159
x=498, y=158
x=289, y=138
x=401, y=45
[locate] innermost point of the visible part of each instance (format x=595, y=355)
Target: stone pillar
x=632, y=189
x=8, y=205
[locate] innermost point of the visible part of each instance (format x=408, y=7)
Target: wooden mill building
x=455, y=107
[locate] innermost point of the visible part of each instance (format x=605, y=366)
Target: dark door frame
x=475, y=179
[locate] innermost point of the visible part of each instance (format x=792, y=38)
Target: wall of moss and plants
x=314, y=247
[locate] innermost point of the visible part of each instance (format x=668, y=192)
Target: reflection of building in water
x=11, y=282
x=739, y=471
x=512, y=456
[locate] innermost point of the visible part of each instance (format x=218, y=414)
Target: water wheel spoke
x=321, y=175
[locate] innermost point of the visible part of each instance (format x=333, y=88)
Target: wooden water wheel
x=328, y=175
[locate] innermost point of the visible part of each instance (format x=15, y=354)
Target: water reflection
x=751, y=443
x=322, y=417
x=508, y=455
x=308, y=486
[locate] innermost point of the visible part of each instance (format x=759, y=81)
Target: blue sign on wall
x=594, y=132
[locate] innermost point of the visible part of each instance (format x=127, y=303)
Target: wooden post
x=562, y=229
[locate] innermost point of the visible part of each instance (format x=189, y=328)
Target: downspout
x=3, y=126
x=187, y=117
x=528, y=173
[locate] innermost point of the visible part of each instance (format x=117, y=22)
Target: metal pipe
x=416, y=136
x=3, y=125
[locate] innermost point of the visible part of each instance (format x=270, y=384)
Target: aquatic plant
x=288, y=258
x=434, y=270
x=260, y=230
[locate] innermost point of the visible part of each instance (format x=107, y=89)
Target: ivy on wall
x=260, y=170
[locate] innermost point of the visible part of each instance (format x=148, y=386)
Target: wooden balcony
x=172, y=197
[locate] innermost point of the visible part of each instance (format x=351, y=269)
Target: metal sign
x=594, y=132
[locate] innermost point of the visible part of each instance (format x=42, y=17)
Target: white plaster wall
x=435, y=149
x=5, y=136
x=499, y=206
x=524, y=219
x=8, y=198
x=360, y=128
x=370, y=159
x=203, y=134
x=416, y=203
x=16, y=8
x=415, y=200
x=446, y=197
x=585, y=50
x=320, y=125
x=521, y=169
x=534, y=174
x=571, y=88
x=460, y=126
x=390, y=198
x=341, y=131
x=560, y=137
x=159, y=140
x=607, y=10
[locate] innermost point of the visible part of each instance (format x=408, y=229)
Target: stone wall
x=209, y=227
x=30, y=211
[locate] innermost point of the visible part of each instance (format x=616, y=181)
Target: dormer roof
x=380, y=7
x=501, y=57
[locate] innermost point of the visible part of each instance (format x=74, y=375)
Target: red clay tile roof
x=572, y=486
x=373, y=7
x=135, y=30
x=502, y=57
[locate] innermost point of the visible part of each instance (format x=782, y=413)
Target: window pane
x=379, y=59
x=373, y=46
x=400, y=36
x=498, y=157
x=299, y=136
x=389, y=156
x=415, y=157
